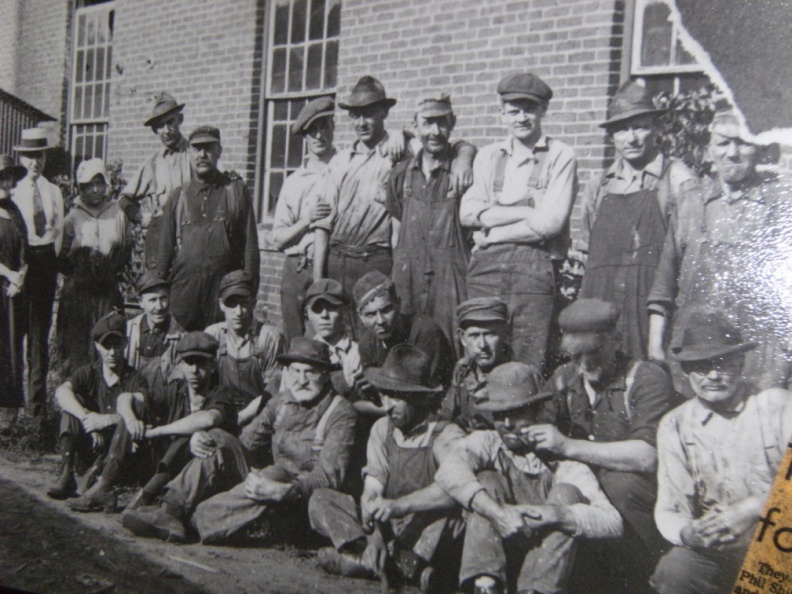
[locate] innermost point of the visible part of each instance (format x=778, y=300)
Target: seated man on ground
x=300, y=442
x=89, y=416
x=246, y=359
x=483, y=329
x=403, y=514
x=527, y=512
x=718, y=455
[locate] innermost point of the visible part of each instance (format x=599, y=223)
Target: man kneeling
x=299, y=442
x=403, y=513
x=526, y=511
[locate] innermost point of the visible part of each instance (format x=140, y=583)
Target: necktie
x=39, y=218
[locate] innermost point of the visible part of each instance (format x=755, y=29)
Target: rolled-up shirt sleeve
x=478, y=197
x=597, y=518
x=469, y=456
x=376, y=456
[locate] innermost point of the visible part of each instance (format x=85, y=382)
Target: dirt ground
x=45, y=547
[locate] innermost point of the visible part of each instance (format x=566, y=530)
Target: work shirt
x=346, y=355
x=297, y=199
x=52, y=205
x=484, y=450
x=555, y=190
x=607, y=411
x=262, y=341
x=285, y=432
x=378, y=466
x=468, y=389
x=707, y=459
x=357, y=190
x=174, y=404
x=91, y=389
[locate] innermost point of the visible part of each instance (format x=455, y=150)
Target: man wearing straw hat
x=41, y=205
x=144, y=197
x=718, y=456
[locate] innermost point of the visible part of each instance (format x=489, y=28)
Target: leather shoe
x=344, y=564
x=154, y=522
x=100, y=499
x=65, y=487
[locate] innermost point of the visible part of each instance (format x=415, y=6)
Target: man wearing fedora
x=144, y=198
x=725, y=242
x=718, y=456
x=401, y=503
x=208, y=230
x=626, y=211
x=519, y=206
x=526, y=511
x=300, y=207
x=604, y=413
x=42, y=208
x=483, y=330
x=301, y=441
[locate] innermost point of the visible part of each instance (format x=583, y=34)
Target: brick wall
x=465, y=46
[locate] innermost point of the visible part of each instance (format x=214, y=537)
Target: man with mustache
x=431, y=258
x=483, y=330
x=519, y=205
x=209, y=229
x=625, y=214
x=718, y=456
x=144, y=198
x=726, y=243
x=526, y=511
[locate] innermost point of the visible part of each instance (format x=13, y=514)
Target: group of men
x=418, y=301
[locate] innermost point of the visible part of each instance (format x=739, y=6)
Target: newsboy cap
x=589, y=315
x=328, y=290
x=236, y=282
x=323, y=107
x=204, y=134
x=710, y=335
x=511, y=386
x=630, y=101
x=164, y=105
x=482, y=309
x=370, y=285
x=435, y=107
x=524, y=85
x=197, y=344
x=367, y=91
x=151, y=280
x=112, y=324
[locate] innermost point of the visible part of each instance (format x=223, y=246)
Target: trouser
x=336, y=516
x=152, y=241
x=524, y=278
x=685, y=571
x=541, y=562
x=41, y=282
x=296, y=278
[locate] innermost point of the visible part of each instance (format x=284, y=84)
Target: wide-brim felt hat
x=33, y=140
x=710, y=335
x=511, y=386
x=8, y=169
x=164, y=106
x=367, y=91
x=306, y=350
x=406, y=369
x=630, y=101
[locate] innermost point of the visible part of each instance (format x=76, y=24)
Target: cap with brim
x=710, y=335
x=524, y=85
x=435, y=107
x=328, y=290
x=370, y=285
x=150, y=281
x=113, y=324
x=33, y=140
x=323, y=107
x=489, y=310
x=630, y=101
x=406, y=369
x=197, y=344
x=236, y=282
x=367, y=91
x=9, y=170
x=578, y=343
x=204, y=135
x=305, y=350
x=89, y=169
x=164, y=106
x=511, y=386
x=589, y=315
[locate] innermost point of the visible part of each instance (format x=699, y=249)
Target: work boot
x=141, y=499
x=344, y=564
x=100, y=497
x=154, y=521
x=65, y=487
x=86, y=480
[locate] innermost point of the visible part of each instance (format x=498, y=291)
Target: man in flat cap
x=605, y=413
x=248, y=351
x=718, y=456
x=526, y=511
x=88, y=402
x=152, y=336
x=626, y=211
x=401, y=504
x=519, y=204
x=41, y=204
x=209, y=229
x=384, y=327
x=301, y=441
x=483, y=330
x=144, y=198
x=431, y=257
x=300, y=207
x=360, y=233
x=724, y=246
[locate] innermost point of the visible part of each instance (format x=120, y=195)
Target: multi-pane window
x=658, y=56
x=90, y=89
x=302, y=64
